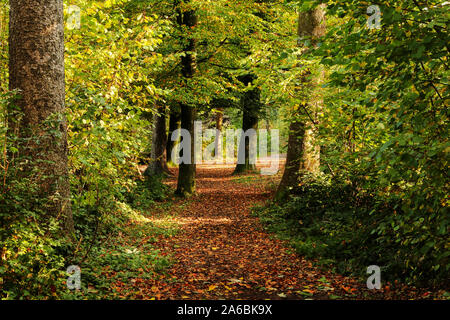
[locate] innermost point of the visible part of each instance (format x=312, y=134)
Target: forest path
x=222, y=251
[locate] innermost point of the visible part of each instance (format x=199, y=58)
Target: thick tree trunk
x=251, y=105
x=219, y=125
x=293, y=161
x=186, y=175
x=311, y=150
x=312, y=24
x=158, y=164
x=219, y=119
x=303, y=151
x=36, y=69
x=174, y=124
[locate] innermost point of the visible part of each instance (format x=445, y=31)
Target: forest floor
x=221, y=251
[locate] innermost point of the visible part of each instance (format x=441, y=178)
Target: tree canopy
x=91, y=93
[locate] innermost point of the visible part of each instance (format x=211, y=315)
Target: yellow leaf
x=212, y=287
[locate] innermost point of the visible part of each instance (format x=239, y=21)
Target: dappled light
x=257, y=150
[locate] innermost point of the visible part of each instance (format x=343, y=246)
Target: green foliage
x=31, y=247
x=110, y=265
x=108, y=99
x=384, y=141
x=148, y=191
x=396, y=81
x=383, y=134
x=345, y=226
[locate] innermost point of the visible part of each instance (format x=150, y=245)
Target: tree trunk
x=36, y=69
x=293, y=161
x=174, y=124
x=311, y=150
x=312, y=24
x=219, y=125
x=251, y=105
x=158, y=164
x=303, y=153
x=186, y=175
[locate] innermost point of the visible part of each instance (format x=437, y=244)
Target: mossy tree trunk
x=36, y=69
x=303, y=153
x=293, y=160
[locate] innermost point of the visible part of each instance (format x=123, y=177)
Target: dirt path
x=222, y=252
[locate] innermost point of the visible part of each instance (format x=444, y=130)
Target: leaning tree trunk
x=174, y=124
x=303, y=151
x=251, y=105
x=36, y=69
x=293, y=161
x=158, y=162
x=186, y=175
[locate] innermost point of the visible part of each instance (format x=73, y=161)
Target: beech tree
x=303, y=152
x=174, y=124
x=251, y=105
x=219, y=126
x=37, y=117
x=158, y=163
x=186, y=176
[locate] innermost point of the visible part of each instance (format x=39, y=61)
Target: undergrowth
x=349, y=229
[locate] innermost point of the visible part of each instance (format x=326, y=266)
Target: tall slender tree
x=187, y=18
x=36, y=70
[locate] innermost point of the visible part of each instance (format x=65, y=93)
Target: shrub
x=351, y=229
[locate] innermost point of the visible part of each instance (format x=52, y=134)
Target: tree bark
x=251, y=105
x=186, y=175
x=219, y=125
x=293, y=160
x=174, y=124
x=312, y=24
x=36, y=69
x=303, y=151
x=311, y=149
x=158, y=165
